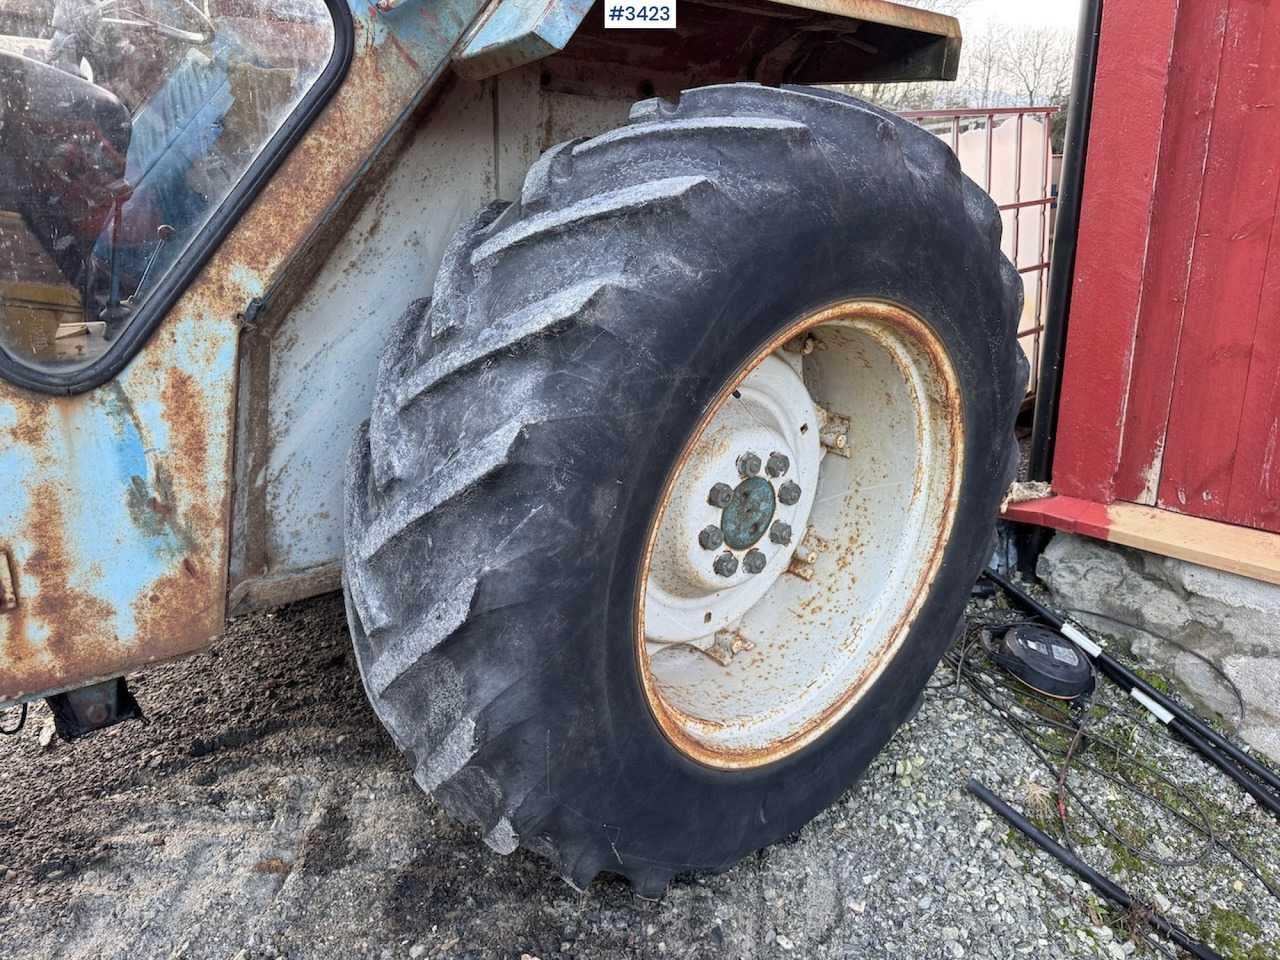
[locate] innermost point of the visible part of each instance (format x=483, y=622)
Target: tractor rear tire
x=753, y=289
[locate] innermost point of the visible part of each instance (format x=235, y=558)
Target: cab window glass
x=123, y=125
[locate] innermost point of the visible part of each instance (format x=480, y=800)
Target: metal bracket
x=79, y=712
x=517, y=32
x=252, y=312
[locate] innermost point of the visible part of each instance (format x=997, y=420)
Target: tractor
x=650, y=402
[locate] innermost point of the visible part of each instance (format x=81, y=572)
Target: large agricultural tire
x=538, y=608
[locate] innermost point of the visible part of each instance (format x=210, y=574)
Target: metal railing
x=1015, y=167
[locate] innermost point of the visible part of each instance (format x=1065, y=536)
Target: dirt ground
x=263, y=812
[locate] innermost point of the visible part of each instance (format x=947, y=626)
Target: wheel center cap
x=747, y=517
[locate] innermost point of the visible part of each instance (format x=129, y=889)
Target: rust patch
x=271, y=253
x=30, y=665
x=32, y=423
x=184, y=406
x=174, y=611
x=274, y=865
x=64, y=630
x=186, y=462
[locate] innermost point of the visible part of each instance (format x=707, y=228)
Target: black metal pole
x=1224, y=764
x=1183, y=719
x=1108, y=888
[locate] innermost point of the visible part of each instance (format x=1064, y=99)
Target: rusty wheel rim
x=744, y=661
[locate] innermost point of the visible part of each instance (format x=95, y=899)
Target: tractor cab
x=123, y=128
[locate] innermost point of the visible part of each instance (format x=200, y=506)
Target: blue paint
x=103, y=460
x=520, y=32
x=425, y=30
x=121, y=520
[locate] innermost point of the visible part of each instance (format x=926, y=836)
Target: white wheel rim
x=742, y=668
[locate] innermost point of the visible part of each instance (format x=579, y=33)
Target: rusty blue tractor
x=650, y=402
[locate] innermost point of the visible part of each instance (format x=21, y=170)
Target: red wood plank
x=1255, y=483
x=1069, y=514
x=1242, y=180
x=1193, y=87
x=1124, y=141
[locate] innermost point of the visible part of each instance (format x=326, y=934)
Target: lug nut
x=711, y=538
x=778, y=465
x=754, y=561
x=726, y=564
x=720, y=495
x=789, y=493
x=748, y=465
x=780, y=533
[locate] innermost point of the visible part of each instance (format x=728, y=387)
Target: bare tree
x=950, y=7
x=999, y=67
x=981, y=69
x=1037, y=61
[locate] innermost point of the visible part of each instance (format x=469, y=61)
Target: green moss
x=1122, y=857
x=1156, y=680
x=1223, y=930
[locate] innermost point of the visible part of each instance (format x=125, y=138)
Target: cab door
x=135, y=136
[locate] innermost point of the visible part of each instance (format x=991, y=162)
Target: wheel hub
x=720, y=548
x=746, y=520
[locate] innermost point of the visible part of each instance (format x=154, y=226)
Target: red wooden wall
x=1171, y=384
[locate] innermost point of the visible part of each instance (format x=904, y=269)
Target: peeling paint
x=115, y=509
x=1151, y=477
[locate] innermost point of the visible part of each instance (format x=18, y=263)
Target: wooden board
x=1255, y=482
x=1222, y=546
x=1179, y=187
x=1124, y=151
x=1216, y=355
x=1171, y=388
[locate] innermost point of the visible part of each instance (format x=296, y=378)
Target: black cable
x=1204, y=735
x=1023, y=733
x=989, y=688
x=1222, y=674
x=1151, y=941
x=986, y=683
x=1108, y=888
x=1204, y=828
x=22, y=722
x=1250, y=866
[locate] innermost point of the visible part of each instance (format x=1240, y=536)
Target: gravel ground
x=263, y=812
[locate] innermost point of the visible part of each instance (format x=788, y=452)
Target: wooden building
x=1169, y=426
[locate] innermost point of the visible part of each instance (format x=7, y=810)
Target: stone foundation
x=1232, y=620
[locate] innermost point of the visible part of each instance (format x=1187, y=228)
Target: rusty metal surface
x=309, y=365
x=115, y=505
x=519, y=32
x=112, y=513
x=886, y=13
x=314, y=363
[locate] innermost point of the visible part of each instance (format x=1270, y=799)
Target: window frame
x=228, y=213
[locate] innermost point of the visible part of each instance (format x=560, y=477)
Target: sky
x=1036, y=13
